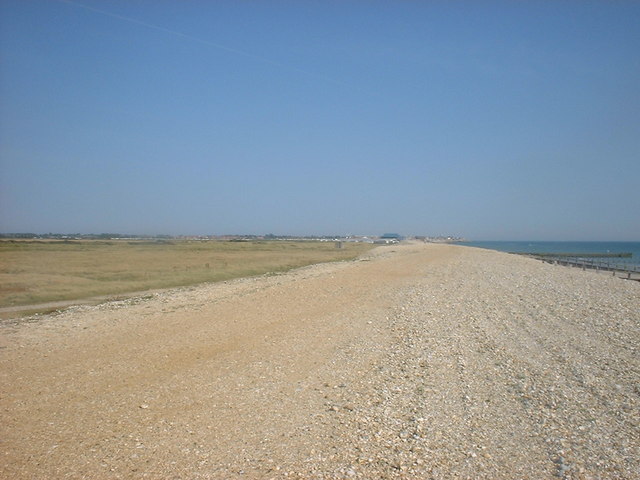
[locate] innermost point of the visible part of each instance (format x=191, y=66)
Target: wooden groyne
x=593, y=261
x=583, y=255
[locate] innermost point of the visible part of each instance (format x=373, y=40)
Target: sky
x=488, y=120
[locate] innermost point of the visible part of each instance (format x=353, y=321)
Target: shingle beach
x=416, y=362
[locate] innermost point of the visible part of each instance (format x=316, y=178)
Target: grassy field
x=34, y=272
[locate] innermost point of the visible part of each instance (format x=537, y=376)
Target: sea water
x=565, y=247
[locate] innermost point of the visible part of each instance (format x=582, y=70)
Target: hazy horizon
x=484, y=120
x=462, y=238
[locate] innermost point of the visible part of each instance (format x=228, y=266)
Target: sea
x=565, y=247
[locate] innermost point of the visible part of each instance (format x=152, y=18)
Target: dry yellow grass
x=33, y=272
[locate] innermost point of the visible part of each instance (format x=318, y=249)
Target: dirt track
x=420, y=361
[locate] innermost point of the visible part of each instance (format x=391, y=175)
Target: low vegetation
x=37, y=271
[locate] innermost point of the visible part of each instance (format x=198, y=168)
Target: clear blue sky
x=492, y=120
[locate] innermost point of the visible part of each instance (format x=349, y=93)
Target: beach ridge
x=415, y=361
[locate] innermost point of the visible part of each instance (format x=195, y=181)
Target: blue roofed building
x=389, y=238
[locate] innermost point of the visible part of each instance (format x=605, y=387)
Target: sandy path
x=424, y=361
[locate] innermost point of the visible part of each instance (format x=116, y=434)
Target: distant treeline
x=111, y=236
x=83, y=236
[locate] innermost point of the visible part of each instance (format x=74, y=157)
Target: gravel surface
x=417, y=361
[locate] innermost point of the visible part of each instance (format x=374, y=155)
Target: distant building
x=388, y=238
x=391, y=236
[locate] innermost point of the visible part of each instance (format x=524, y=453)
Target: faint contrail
x=204, y=42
